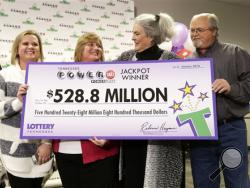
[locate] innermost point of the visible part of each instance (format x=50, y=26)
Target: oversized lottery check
x=120, y=100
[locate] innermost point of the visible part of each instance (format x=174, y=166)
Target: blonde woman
x=16, y=153
x=88, y=163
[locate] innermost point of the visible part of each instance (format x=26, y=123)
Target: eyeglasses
x=93, y=44
x=199, y=30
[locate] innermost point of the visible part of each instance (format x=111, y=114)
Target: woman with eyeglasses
x=88, y=163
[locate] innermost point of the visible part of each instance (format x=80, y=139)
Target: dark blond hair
x=17, y=41
x=82, y=41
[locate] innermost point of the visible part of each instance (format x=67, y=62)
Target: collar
x=17, y=66
x=152, y=53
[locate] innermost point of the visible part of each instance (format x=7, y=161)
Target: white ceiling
x=236, y=2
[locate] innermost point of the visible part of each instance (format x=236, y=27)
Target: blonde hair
x=17, y=41
x=82, y=41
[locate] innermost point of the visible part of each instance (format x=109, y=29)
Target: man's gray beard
x=197, y=43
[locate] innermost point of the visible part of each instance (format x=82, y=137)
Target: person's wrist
x=46, y=144
x=45, y=141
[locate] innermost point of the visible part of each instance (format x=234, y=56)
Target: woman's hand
x=44, y=153
x=22, y=90
x=99, y=142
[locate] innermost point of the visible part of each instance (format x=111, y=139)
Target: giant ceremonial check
x=120, y=100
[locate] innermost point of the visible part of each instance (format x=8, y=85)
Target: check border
x=117, y=137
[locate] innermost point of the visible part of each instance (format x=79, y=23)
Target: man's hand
x=221, y=86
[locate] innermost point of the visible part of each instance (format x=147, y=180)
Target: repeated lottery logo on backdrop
x=61, y=22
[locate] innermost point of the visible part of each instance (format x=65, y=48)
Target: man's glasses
x=199, y=30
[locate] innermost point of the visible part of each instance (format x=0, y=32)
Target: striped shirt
x=15, y=152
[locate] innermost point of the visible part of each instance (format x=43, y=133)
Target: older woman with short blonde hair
x=89, y=163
